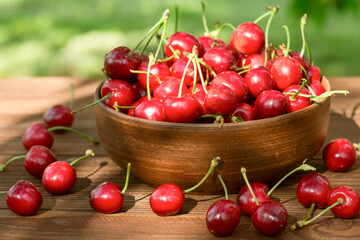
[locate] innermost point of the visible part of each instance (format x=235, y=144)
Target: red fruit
x=24, y=198
x=185, y=109
x=120, y=92
x=233, y=81
x=151, y=110
x=167, y=200
x=259, y=80
x=207, y=43
x=177, y=70
x=313, y=188
x=58, y=115
x=286, y=71
x=245, y=111
x=182, y=43
x=131, y=111
x=314, y=73
x=230, y=49
x=270, y=103
x=248, y=38
x=302, y=60
x=245, y=200
x=170, y=88
x=339, y=155
x=37, y=134
x=317, y=87
x=139, y=91
x=58, y=177
x=296, y=103
x=351, y=202
x=257, y=60
x=106, y=198
x=37, y=159
x=221, y=100
x=161, y=70
x=223, y=217
x=270, y=218
x=219, y=60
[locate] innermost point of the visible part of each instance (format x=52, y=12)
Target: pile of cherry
x=245, y=80
x=202, y=79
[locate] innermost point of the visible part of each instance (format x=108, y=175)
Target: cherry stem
x=204, y=18
x=303, y=167
x=242, y=68
x=3, y=192
x=127, y=178
x=273, y=11
x=309, y=53
x=224, y=186
x=165, y=19
x=184, y=74
x=92, y=104
x=195, y=75
x=117, y=107
x=310, y=89
x=74, y=131
x=293, y=97
x=323, y=95
x=71, y=105
x=159, y=23
x=145, y=72
x=302, y=27
x=165, y=59
x=3, y=166
x=214, y=163
x=244, y=71
x=200, y=73
x=218, y=118
x=286, y=53
x=311, y=210
x=88, y=153
x=176, y=18
x=263, y=16
x=237, y=119
x=302, y=223
x=151, y=60
x=208, y=67
x=243, y=172
x=171, y=48
x=151, y=37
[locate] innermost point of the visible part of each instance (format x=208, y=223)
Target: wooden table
x=23, y=102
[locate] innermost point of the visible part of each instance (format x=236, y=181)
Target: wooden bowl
x=163, y=152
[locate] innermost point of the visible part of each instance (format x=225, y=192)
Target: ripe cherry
x=184, y=109
x=257, y=60
x=207, y=42
x=221, y=100
x=339, y=155
x=301, y=60
x=248, y=38
x=60, y=176
x=223, y=216
x=152, y=109
x=259, y=80
x=35, y=161
x=233, y=81
x=314, y=73
x=178, y=68
x=138, y=90
x=170, y=88
x=286, y=71
x=108, y=196
x=158, y=72
x=296, y=102
x=317, y=87
x=182, y=43
x=119, y=92
x=168, y=199
x=219, y=60
x=24, y=198
x=243, y=112
x=270, y=103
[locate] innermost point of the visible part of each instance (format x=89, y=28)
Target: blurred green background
x=71, y=37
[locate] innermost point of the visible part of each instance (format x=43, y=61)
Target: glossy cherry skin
x=296, y=103
x=233, y=81
x=151, y=110
x=248, y=38
x=220, y=100
x=302, y=60
x=270, y=103
x=185, y=109
x=286, y=71
x=170, y=88
x=351, y=205
x=317, y=87
x=131, y=111
x=182, y=42
x=24, y=198
x=259, y=80
x=313, y=188
x=219, y=60
x=230, y=49
x=58, y=177
x=37, y=159
x=120, y=91
x=245, y=200
x=223, y=217
x=339, y=155
x=257, y=60
x=106, y=198
x=243, y=110
x=270, y=218
x=37, y=134
x=118, y=64
x=207, y=43
x=139, y=91
x=177, y=70
x=58, y=115
x=314, y=73
x=167, y=200
x=161, y=70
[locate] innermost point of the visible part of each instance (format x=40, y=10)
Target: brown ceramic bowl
x=162, y=152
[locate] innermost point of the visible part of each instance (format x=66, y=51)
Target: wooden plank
x=70, y=216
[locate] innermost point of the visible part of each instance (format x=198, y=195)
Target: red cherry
x=37, y=159
x=37, y=134
x=207, y=43
x=177, y=70
x=58, y=115
x=107, y=198
x=248, y=38
x=302, y=60
x=185, y=109
x=259, y=80
x=245, y=111
x=245, y=200
x=270, y=103
x=339, y=155
x=131, y=111
x=257, y=60
x=167, y=200
x=139, y=91
x=170, y=88
x=24, y=198
x=233, y=81
x=270, y=218
x=314, y=73
x=313, y=188
x=230, y=49
x=223, y=217
x=298, y=102
x=350, y=206
x=182, y=43
x=151, y=110
x=219, y=60
x=161, y=70
x=221, y=100
x=118, y=64
x=120, y=92
x=286, y=71
x=317, y=87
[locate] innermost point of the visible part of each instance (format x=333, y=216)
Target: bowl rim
x=198, y=126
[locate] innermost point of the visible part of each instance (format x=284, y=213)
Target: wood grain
x=23, y=102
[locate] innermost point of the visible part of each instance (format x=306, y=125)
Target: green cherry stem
x=92, y=104
x=206, y=28
x=200, y=73
x=171, y=48
x=176, y=18
x=218, y=118
x=273, y=11
x=286, y=53
x=151, y=60
x=126, y=179
x=293, y=97
x=165, y=21
x=3, y=166
x=117, y=107
x=237, y=119
x=3, y=192
x=324, y=95
x=74, y=131
x=243, y=172
x=302, y=28
x=88, y=153
x=302, y=223
x=214, y=163
x=151, y=37
x=145, y=72
x=191, y=57
x=195, y=75
x=224, y=186
x=312, y=207
x=303, y=167
x=207, y=67
x=263, y=16
x=72, y=99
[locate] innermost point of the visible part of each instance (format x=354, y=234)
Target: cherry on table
x=339, y=154
x=24, y=198
x=108, y=197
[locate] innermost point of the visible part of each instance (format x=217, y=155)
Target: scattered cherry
x=339, y=154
